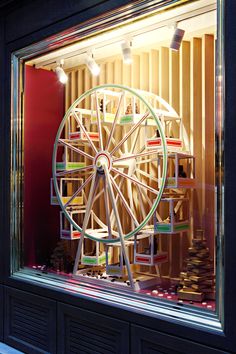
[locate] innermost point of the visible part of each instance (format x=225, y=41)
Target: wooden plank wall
x=185, y=79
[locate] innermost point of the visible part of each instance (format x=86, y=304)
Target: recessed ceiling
x=195, y=18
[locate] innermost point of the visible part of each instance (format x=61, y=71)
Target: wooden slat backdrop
x=185, y=79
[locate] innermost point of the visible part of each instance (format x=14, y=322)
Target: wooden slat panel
x=102, y=75
x=175, y=241
x=29, y=322
x=196, y=126
x=174, y=80
x=144, y=71
x=82, y=331
x=68, y=92
x=164, y=73
x=118, y=69
x=135, y=72
x=74, y=83
x=208, y=129
x=184, y=88
x=165, y=240
x=184, y=112
x=146, y=341
x=126, y=74
x=87, y=85
x=80, y=84
x=154, y=71
x=109, y=73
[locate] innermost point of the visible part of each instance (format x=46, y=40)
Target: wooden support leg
x=119, y=227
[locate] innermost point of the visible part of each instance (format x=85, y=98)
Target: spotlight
x=92, y=65
x=126, y=51
x=62, y=77
x=177, y=38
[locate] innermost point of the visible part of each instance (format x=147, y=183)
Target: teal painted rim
x=163, y=139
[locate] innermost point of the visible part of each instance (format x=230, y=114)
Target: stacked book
x=198, y=281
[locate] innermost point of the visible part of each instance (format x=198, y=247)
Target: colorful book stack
x=198, y=282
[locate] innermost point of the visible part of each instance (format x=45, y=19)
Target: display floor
x=168, y=292
x=163, y=288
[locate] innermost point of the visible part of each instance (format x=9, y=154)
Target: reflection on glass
x=121, y=191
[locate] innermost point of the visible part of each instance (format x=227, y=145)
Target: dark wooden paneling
x=2, y=210
x=81, y=331
x=39, y=14
x=145, y=341
x=30, y=322
x=1, y=312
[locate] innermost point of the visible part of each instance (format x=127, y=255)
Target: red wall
x=44, y=110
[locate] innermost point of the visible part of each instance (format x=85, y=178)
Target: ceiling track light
x=92, y=65
x=177, y=38
x=126, y=52
x=62, y=77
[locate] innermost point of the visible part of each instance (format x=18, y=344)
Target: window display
x=119, y=186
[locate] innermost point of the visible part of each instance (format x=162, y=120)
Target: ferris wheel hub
x=102, y=159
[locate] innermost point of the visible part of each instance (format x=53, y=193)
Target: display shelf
x=115, y=268
x=67, y=187
x=173, y=144
x=181, y=170
x=95, y=256
x=81, y=136
x=144, y=259
x=69, y=165
x=148, y=254
x=176, y=217
x=67, y=231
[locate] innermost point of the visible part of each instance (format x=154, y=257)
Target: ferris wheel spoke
x=129, y=133
x=112, y=139
x=79, y=190
x=81, y=152
x=98, y=122
x=145, y=174
x=115, y=121
x=107, y=208
x=126, y=205
x=77, y=118
x=136, y=181
x=135, y=140
x=141, y=202
x=131, y=202
x=145, y=161
x=75, y=170
x=134, y=156
x=117, y=196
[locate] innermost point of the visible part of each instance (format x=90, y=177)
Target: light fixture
x=126, y=51
x=177, y=38
x=92, y=65
x=62, y=77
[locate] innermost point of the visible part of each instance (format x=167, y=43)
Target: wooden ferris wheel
x=112, y=147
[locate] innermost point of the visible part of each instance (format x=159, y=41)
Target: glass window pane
x=119, y=157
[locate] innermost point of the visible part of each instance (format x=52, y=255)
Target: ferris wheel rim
x=164, y=147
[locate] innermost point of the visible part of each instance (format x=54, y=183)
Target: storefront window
x=119, y=158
